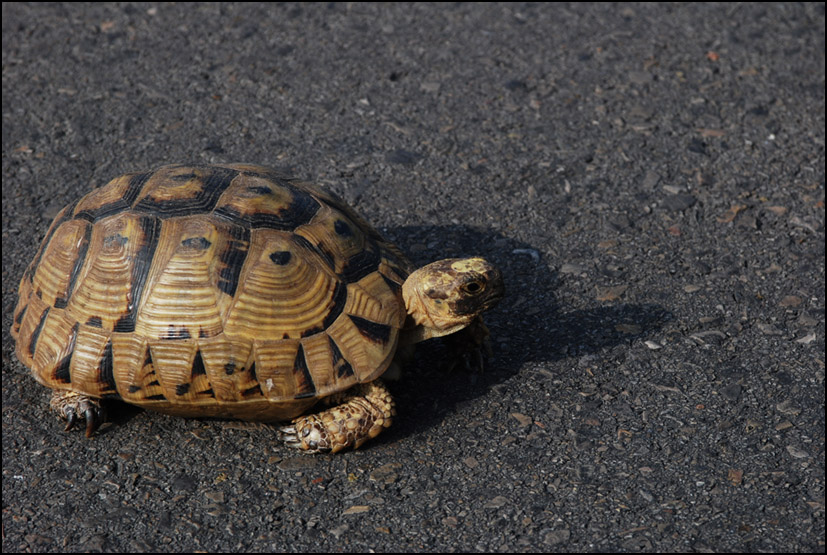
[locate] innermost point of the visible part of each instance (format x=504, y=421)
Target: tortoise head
x=445, y=296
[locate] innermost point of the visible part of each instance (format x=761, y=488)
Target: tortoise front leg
x=470, y=347
x=364, y=411
x=74, y=407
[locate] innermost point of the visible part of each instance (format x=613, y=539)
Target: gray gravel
x=649, y=177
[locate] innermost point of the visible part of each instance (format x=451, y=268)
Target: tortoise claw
x=94, y=418
x=290, y=437
x=287, y=434
x=71, y=420
x=74, y=407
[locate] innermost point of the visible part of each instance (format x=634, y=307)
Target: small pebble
x=535, y=255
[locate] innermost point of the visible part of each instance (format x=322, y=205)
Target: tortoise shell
x=227, y=291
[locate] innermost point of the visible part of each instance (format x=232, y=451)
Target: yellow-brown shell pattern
x=229, y=291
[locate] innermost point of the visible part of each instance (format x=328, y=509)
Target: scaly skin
x=74, y=407
x=365, y=411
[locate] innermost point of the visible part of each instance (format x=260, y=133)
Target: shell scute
x=113, y=198
x=258, y=202
x=181, y=299
x=183, y=191
x=108, y=278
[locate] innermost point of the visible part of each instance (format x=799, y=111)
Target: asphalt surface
x=649, y=178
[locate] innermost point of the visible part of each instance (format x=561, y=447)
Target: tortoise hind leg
x=74, y=407
x=364, y=411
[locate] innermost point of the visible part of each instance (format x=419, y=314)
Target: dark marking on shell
x=252, y=372
x=37, y=330
x=260, y=190
x=182, y=389
x=395, y=287
x=281, y=257
x=340, y=363
x=254, y=391
x=116, y=241
x=136, y=184
x=197, y=243
x=328, y=256
x=150, y=231
x=198, y=368
x=134, y=388
x=176, y=332
x=374, y=331
x=304, y=381
x=229, y=368
x=82, y=251
x=362, y=263
x=339, y=301
x=19, y=316
x=125, y=324
x=106, y=375
x=304, y=242
x=62, y=373
x=232, y=259
x=343, y=228
x=159, y=397
x=397, y=265
x=311, y=331
x=95, y=322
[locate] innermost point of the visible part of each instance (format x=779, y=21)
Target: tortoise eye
x=472, y=288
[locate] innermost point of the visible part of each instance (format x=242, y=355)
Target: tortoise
x=235, y=291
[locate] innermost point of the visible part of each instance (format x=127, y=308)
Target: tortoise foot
x=365, y=410
x=74, y=407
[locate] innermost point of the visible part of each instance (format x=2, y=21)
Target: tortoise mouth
x=494, y=299
x=496, y=290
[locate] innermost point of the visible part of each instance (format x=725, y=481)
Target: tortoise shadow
x=529, y=325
